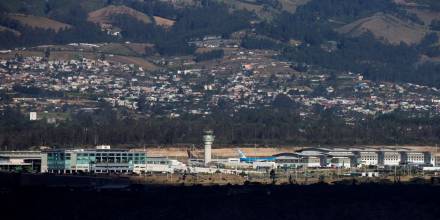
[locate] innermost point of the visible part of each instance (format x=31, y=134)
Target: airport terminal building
x=105, y=160
x=92, y=160
x=356, y=157
x=20, y=161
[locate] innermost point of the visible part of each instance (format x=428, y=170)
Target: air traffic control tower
x=208, y=139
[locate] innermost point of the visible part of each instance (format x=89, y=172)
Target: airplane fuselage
x=256, y=159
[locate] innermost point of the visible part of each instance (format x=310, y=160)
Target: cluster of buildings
x=244, y=79
x=358, y=157
x=89, y=79
x=214, y=42
x=103, y=159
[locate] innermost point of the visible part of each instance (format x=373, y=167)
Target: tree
x=214, y=54
x=283, y=101
x=149, y=51
x=273, y=176
x=435, y=25
x=142, y=103
x=102, y=56
x=47, y=8
x=46, y=53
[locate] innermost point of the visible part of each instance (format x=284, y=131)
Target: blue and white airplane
x=245, y=159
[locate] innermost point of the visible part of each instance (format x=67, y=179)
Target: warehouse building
x=352, y=157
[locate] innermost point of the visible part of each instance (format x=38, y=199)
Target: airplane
x=245, y=159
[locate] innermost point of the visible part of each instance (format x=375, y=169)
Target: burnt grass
x=319, y=201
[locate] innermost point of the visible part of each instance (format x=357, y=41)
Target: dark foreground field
x=369, y=201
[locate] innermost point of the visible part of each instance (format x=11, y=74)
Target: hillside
x=39, y=22
x=166, y=28
x=264, y=9
x=292, y=5
x=406, y=3
x=427, y=16
x=387, y=28
x=3, y=28
x=40, y=7
x=103, y=15
x=240, y=5
x=261, y=7
x=163, y=21
x=425, y=4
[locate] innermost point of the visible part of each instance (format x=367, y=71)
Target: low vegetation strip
x=39, y=22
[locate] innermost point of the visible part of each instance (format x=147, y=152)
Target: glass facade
x=99, y=161
x=57, y=160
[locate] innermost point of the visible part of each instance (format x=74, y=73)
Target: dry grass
x=131, y=49
x=103, y=15
x=292, y=5
x=427, y=59
x=23, y=53
x=287, y=5
x=118, y=49
x=238, y=5
x=409, y=3
x=246, y=6
x=227, y=50
x=177, y=179
x=386, y=28
x=39, y=22
x=54, y=55
x=164, y=21
x=182, y=3
x=426, y=16
x=145, y=64
x=139, y=48
x=68, y=55
x=219, y=152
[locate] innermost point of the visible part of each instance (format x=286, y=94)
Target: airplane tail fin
x=242, y=155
